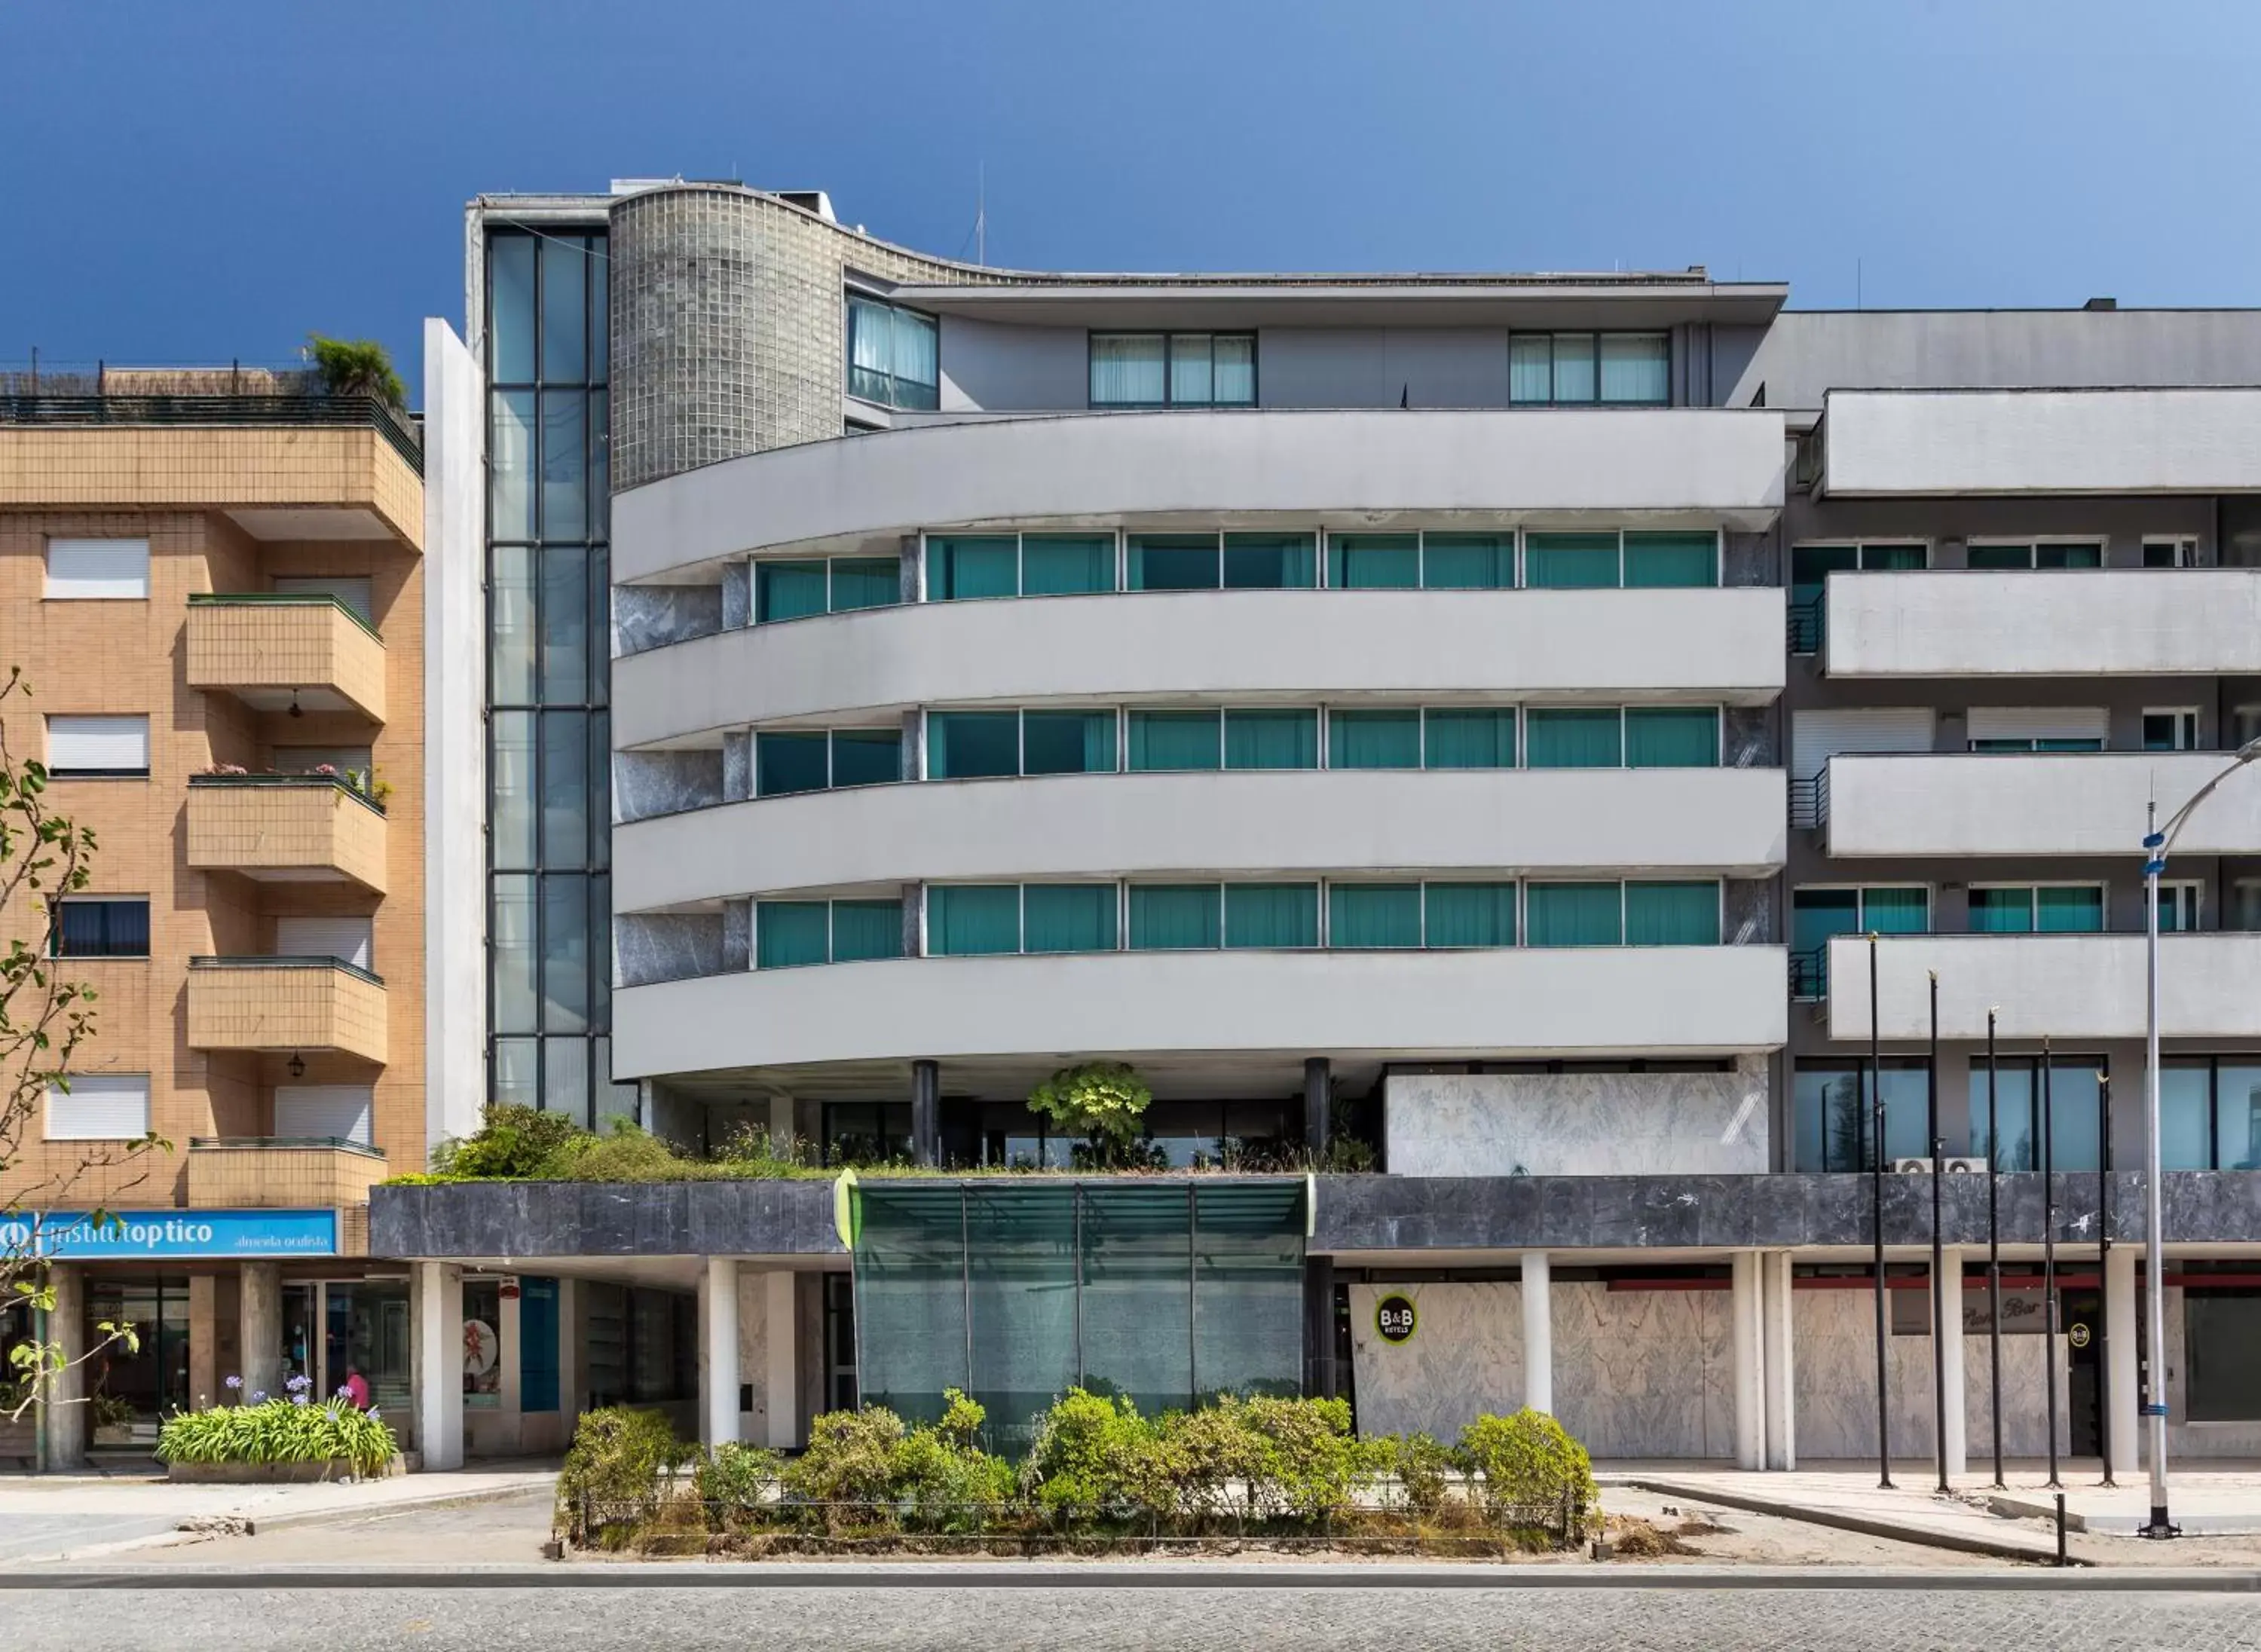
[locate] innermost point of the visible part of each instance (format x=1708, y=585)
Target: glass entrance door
x=302, y=1341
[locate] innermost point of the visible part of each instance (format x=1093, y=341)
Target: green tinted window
x=1561, y=561
x=1271, y=739
x=961, y=568
x=973, y=744
x=1068, y=917
x=1477, y=737
x=1567, y=738
x=1065, y=564
x=1672, y=914
x=788, y=932
x=787, y=590
x=1067, y=743
x=1671, y=737
x=1174, y=916
x=1374, y=562
x=1173, y=562
x=867, y=582
x=1270, y=562
x=1467, y=562
x=1374, y=915
x=1653, y=560
x=1374, y=739
x=1271, y=915
x=866, y=929
x=1470, y=914
x=967, y=919
x=1573, y=913
x=1170, y=740
x=785, y=763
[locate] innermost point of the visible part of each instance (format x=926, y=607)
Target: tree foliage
x=356, y=367
x=1104, y=1100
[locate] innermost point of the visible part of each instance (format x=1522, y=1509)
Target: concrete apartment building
x=1449, y=731
x=214, y=582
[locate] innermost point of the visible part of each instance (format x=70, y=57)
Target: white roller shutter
x=346, y=938
x=1816, y=736
x=87, y=569
x=2038, y=722
x=339, y=1110
x=100, y=745
x=100, y=1107
x=354, y=593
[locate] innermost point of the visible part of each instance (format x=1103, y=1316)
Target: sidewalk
x=82, y=1517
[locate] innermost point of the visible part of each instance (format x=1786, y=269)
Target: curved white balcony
x=1694, y=1001
x=2036, y=803
x=1708, y=645
x=1624, y=821
x=1348, y=466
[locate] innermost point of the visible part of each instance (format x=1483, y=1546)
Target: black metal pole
x=2103, y=1271
x=1994, y=1247
x=2049, y=1315
x=1876, y=1224
x=1938, y=1252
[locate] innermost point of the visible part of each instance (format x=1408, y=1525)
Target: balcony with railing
x=276, y=1003
x=286, y=828
x=273, y=651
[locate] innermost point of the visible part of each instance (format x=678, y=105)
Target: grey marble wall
x=753, y=1353
x=1637, y=1372
x=737, y=595
x=737, y=767
x=1746, y=911
x=652, y=616
x=737, y=934
x=648, y=783
x=1578, y=1124
x=1746, y=738
x=1749, y=559
x=652, y=946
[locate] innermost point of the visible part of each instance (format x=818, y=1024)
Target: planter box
x=272, y=1473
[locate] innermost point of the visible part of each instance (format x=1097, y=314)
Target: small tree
x=43, y=1020
x=1103, y=1100
x=356, y=367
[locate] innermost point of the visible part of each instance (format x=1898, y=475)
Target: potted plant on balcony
x=1103, y=1102
x=356, y=367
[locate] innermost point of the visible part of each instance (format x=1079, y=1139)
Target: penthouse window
x=894, y=356
x=1174, y=370
x=1625, y=370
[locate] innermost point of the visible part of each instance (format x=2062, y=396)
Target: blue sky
x=202, y=181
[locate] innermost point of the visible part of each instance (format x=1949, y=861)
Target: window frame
x=2182, y=550
x=853, y=293
x=2186, y=722
x=49, y=593
x=2033, y=888
x=1595, y=336
x=48, y=1132
x=2031, y=543
x=1169, y=337
x=57, y=772
x=55, y=929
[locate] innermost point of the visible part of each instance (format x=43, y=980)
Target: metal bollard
x=2060, y=1528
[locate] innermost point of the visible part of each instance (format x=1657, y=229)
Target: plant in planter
x=1100, y=1101
x=356, y=367
x=264, y=1437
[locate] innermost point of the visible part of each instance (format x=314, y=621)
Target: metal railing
x=282, y=599
x=1809, y=975
x=1809, y=801
x=1805, y=625
x=113, y=407
x=284, y=960
x=338, y=781
x=225, y=1144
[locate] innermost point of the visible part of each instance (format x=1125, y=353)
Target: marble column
x=1953, y=1439
x=1538, y=1332
x=67, y=1412
x=1748, y=1355
x=436, y=1390
x=926, y=1112
x=779, y=1349
x=1781, y=1373
x=2119, y=1335
x=1317, y=1096
x=259, y=1315
x=718, y=1329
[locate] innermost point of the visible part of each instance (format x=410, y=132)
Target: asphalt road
x=1065, y=1620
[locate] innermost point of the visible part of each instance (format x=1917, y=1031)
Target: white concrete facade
x=2041, y=804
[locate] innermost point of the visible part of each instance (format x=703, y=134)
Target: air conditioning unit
x=1949, y=1166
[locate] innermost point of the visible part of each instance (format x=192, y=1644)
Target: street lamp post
x=2156, y=842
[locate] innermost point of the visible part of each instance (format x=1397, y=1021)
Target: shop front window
x=483, y=1343
x=366, y=1334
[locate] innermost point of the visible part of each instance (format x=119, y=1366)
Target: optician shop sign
x=125, y=1235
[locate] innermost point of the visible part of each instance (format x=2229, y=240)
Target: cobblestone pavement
x=1069, y=1619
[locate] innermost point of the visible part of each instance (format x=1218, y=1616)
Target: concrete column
x=1781, y=1372
x=66, y=1410
x=259, y=1316
x=203, y=1341
x=779, y=1323
x=573, y=1353
x=1538, y=1332
x=926, y=1112
x=2120, y=1334
x=781, y=1131
x=1747, y=1353
x=1318, y=1088
x=1955, y=1440
x=718, y=1328
x=437, y=1386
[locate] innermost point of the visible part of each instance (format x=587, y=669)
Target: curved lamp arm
x=2160, y=841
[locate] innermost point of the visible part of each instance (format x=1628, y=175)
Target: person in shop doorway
x=356, y=1387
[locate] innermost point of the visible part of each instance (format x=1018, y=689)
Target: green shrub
x=612, y=1471
x=943, y=1478
x=1422, y=1465
x=356, y=367
x=279, y=1430
x=1307, y=1463
x=1096, y=1458
x=1530, y=1465
x=850, y=1457
x=733, y=1482
x=511, y=1144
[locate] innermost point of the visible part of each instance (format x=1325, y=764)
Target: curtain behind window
x=1569, y=561
x=1573, y=914
x=1672, y=914
x=866, y=929
x=1467, y=562
x=1530, y=368
x=1374, y=739
x=1170, y=740
x=1128, y=369
x=788, y=932
x=1374, y=915
x=987, y=566
x=1567, y=737
x=787, y=590
x=867, y=582
x=1065, y=564
x=1271, y=739
x=1374, y=562
x=1470, y=914
x=1671, y=560
x=1637, y=367
x=1067, y=743
x=1270, y=562
x=1476, y=737
x=963, y=745
x=1068, y=917
x=1271, y=915
x=1671, y=737
x=1172, y=916
x=965, y=920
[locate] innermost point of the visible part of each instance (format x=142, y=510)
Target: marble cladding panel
x=653, y=616
x=1746, y=738
x=648, y=783
x=1465, y=1358
x=655, y=946
x=737, y=934
x=1749, y=559
x=1746, y=911
x=737, y=595
x=737, y=767
x=1578, y=1124
x=753, y=1355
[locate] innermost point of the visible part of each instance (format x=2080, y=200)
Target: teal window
x=893, y=355
x=1474, y=737
x=788, y=763
x=1467, y=562
x=1067, y=564
x=1271, y=739
x=1671, y=737
x=1671, y=913
x=2001, y=911
x=1574, y=737
x=867, y=582
x=1068, y=917
x=2058, y=910
x=790, y=932
x=1271, y=561
x=965, y=920
x=1173, y=562
x=1896, y=911
x=2057, y=554
x=1568, y=369
x=1173, y=740
x=1361, y=915
x=1832, y=1110
x=864, y=929
x=1573, y=913
x=1569, y=561
x=1374, y=739
x=963, y=745
x=987, y=565
x=1271, y=915
x=1676, y=560
x=788, y=591
x=1469, y=913
x=1175, y=916
x=1374, y=562
x=2006, y=1111
x=866, y=756
x=1067, y=743
x=1174, y=370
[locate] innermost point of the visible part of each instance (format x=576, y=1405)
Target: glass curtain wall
x=549, y=810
